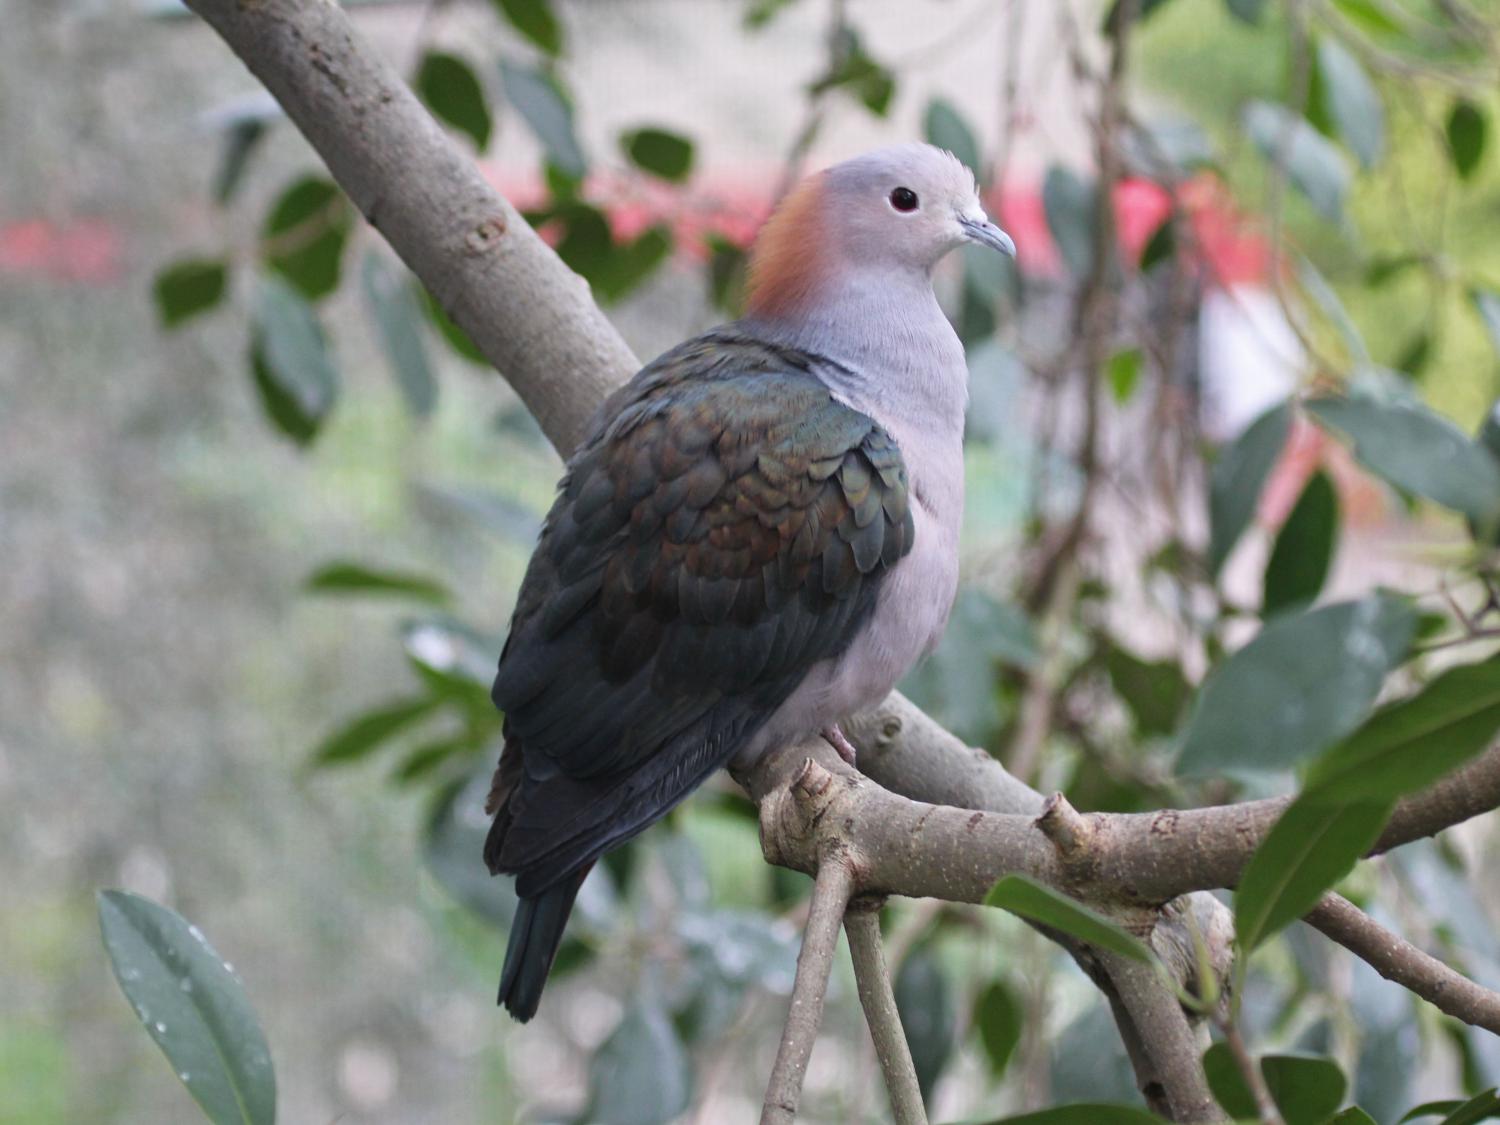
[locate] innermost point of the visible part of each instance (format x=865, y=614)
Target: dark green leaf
x=1000, y=1017
x=1123, y=372
x=1246, y=11
x=1478, y=1108
x=455, y=337
x=289, y=359
x=1305, y=681
x=1304, y=548
x=1138, y=9
x=1371, y=15
x=1237, y=478
x=1467, y=127
x=397, y=313
x=242, y=138
x=1306, y=1089
x=452, y=844
x=1352, y=1116
x=1068, y=201
x=1316, y=168
x=1037, y=903
x=664, y=154
x=1309, y=849
x=1387, y=268
x=726, y=274
x=924, y=1000
x=1227, y=1083
x=193, y=1006
x=185, y=289
x=535, y=20
x=453, y=658
x=541, y=104
x=1419, y=451
x=1411, y=744
x=1155, y=691
x=642, y=1075
x=368, y=732
x=452, y=91
x=305, y=233
x=858, y=75
x=1352, y=101
x=426, y=758
x=1161, y=246
x=1489, y=430
x=612, y=269
x=1415, y=356
x=357, y=578
x=1084, y=1113
x=1487, y=304
x=945, y=127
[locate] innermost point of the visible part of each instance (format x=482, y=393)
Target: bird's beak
x=988, y=234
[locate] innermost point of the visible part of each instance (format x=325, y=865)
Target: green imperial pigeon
x=758, y=538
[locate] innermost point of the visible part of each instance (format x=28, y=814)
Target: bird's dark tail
x=535, y=934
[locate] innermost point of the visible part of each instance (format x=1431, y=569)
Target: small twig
x=862, y=924
x=1398, y=960
x=831, y=891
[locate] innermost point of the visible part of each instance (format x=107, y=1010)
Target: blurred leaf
x=456, y=337
x=193, y=1006
x=1139, y=10
x=1487, y=303
x=1304, y=548
x=1029, y=899
x=453, y=657
x=1246, y=11
x=761, y=12
x=304, y=235
x=241, y=139
x=642, y=1075
x=945, y=127
x=1123, y=372
x=1309, y=849
x=743, y=947
x=1307, y=1089
x=858, y=75
x=1155, y=691
x=1478, y=1108
x=1237, y=478
x=421, y=762
x=1352, y=1116
x=924, y=1000
x=1466, y=129
x=1068, y=201
x=612, y=269
x=1416, y=355
x=1387, y=268
x=1316, y=286
x=726, y=274
x=397, y=313
x=1084, y=1113
x=1227, y=1083
x=186, y=288
x=1000, y=1016
x=1353, y=101
x=1317, y=169
x=1371, y=15
x=1489, y=430
x=370, y=731
x=451, y=89
x=541, y=104
x=1420, y=451
x=664, y=154
x=289, y=359
x=1161, y=246
x=345, y=577
x=453, y=843
x=535, y=20
x=1303, y=682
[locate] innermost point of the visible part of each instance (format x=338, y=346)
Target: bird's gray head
x=895, y=209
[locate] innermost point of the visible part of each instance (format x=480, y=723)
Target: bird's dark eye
x=904, y=199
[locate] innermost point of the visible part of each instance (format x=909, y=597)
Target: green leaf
x=1227, y=1083
x=243, y=133
x=454, y=336
x=1309, y=849
x=541, y=104
x=426, y=758
x=453, y=841
x=1000, y=1017
x=1238, y=477
x=1316, y=286
x=453, y=658
x=305, y=233
x=1123, y=373
x=1317, y=169
x=924, y=1001
x=185, y=289
x=1478, y=1108
x=1419, y=451
x=1068, y=201
x=535, y=20
x=1084, y=1113
x=946, y=128
x=1161, y=246
x=1031, y=900
x=452, y=91
x=642, y=1075
x=612, y=269
x=1155, y=691
x=1246, y=11
x=1139, y=11
x=1467, y=129
x=1353, y=102
x=1303, y=682
x=368, y=732
x=1371, y=15
x=357, y=578
x=1487, y=304
x=1306, y=1088
x=726, y=274
x=1412, y=743
x=664, y=154
x=858, y=75
x=397, y=312
x=1352, y=1116
x=1304, y=548
x=1386, y=268
x=193, y=1006
x=289, y=360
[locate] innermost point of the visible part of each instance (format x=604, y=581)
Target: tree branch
x=1399, y=960
x=862, y=924
x=831, y=893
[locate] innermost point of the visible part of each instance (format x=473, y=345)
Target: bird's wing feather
x=725, y=530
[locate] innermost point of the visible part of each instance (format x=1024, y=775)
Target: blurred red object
x=80, y=251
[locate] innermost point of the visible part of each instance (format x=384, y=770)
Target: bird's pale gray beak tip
x=988, y=234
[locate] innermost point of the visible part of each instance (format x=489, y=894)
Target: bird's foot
x=836, y=739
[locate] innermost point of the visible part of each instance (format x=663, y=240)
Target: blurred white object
x=1249, y=357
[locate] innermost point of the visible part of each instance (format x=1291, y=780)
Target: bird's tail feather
x=535, y=934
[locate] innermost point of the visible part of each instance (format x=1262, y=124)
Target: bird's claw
x=836, y=739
